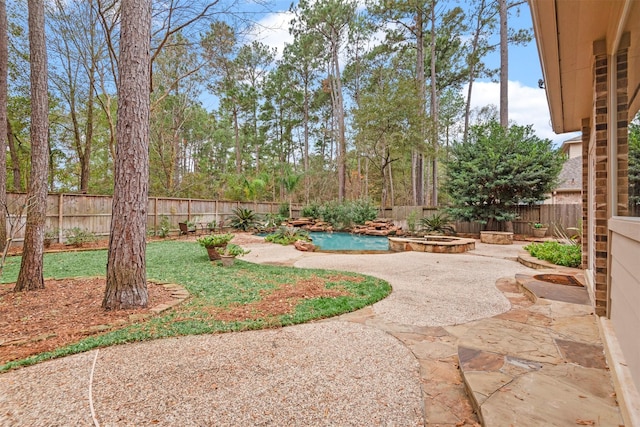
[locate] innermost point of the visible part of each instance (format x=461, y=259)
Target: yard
x=66, y=317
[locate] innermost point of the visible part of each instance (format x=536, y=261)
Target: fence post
x=60, y=215
x=155, y=216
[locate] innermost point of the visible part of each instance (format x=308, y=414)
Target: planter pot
x=214, y=255
x=227, y=260
x=539, y=232
x=496, y=237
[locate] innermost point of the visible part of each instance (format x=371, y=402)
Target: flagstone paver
x=538, y=364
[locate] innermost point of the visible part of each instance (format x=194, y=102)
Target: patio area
x=393, y=363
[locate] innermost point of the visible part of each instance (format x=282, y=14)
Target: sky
x=527, y=102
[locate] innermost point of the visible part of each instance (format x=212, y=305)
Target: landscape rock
x=304, y=246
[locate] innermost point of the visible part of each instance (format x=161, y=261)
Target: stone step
x=538, y=364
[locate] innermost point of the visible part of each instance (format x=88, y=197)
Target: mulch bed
x=62, y=313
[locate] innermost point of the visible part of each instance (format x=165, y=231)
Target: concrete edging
x=626, y=392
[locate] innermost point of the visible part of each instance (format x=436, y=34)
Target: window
x=634, y=168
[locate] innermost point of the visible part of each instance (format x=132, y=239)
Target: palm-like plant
x=439, y=223
x=287, y=235
x=243, y=219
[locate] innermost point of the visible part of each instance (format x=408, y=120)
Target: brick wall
x=586, y=135
x=599, y=207
x=622, y=122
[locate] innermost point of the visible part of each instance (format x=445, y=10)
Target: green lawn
x=212, y=288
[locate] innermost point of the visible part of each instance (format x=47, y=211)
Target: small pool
x=348, y=242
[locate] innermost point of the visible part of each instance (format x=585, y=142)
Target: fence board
x=565, y=215
x=93, y=213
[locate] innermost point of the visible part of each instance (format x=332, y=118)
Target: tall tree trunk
x=383, y=170
x=31, y=273
x=391, y=192
x=417, y=168
x=112, y=131
x=85, y=173
x=366, y=177
x=472, y=65
x=15, y=159
x=434, y=112
x=236, y=133
x=4, y=65
x=126, y=263
x=504, y=66
x=417, y=174
x=256, y=137
x=85, y=176
x=307, y=177
x=336, y=84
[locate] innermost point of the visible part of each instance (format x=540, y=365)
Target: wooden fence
x=93, y=213
x=565, y=215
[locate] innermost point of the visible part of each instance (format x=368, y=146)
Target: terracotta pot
x=227, y=260
x=214, y=255
x=539, y=232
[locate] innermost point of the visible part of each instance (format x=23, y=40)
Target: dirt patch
x=62, y=313
x=279, y=301
x=68, y=310
x=16, y=249
x=558, y=279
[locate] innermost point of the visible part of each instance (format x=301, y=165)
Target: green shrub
x=213, y=240
x=412, y=219
x=346, y=214
x=287, y=235
x=556, y=253
x=50, y=236
x=362, y=210
x=283, y=210
x=76, y=236
x=231, y=250
x=439, y=223
x=311, y=211
x=243, y=219
x=164, y=227
x=335, y=214
x=272, y=220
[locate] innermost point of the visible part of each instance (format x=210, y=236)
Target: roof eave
x=543, y=14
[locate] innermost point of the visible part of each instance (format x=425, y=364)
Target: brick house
x=590, y=55
x=569, y=189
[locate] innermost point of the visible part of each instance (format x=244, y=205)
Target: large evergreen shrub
x=496, y=169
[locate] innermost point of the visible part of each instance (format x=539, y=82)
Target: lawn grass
x=211, y=287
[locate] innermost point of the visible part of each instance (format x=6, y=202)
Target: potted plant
x=213, y=241
x=539, y=229
x=229, y=253
x=212, y=225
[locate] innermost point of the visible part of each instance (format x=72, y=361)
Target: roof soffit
x=565, y=31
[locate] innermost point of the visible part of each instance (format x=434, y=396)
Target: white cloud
x=273, y=30
x=527, y=106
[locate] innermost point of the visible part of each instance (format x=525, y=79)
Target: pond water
x=348, y=242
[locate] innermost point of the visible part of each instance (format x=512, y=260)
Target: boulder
x=377, y=232
x=301, y=222
x=304, y=246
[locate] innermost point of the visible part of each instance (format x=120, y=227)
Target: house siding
x=625, y=291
